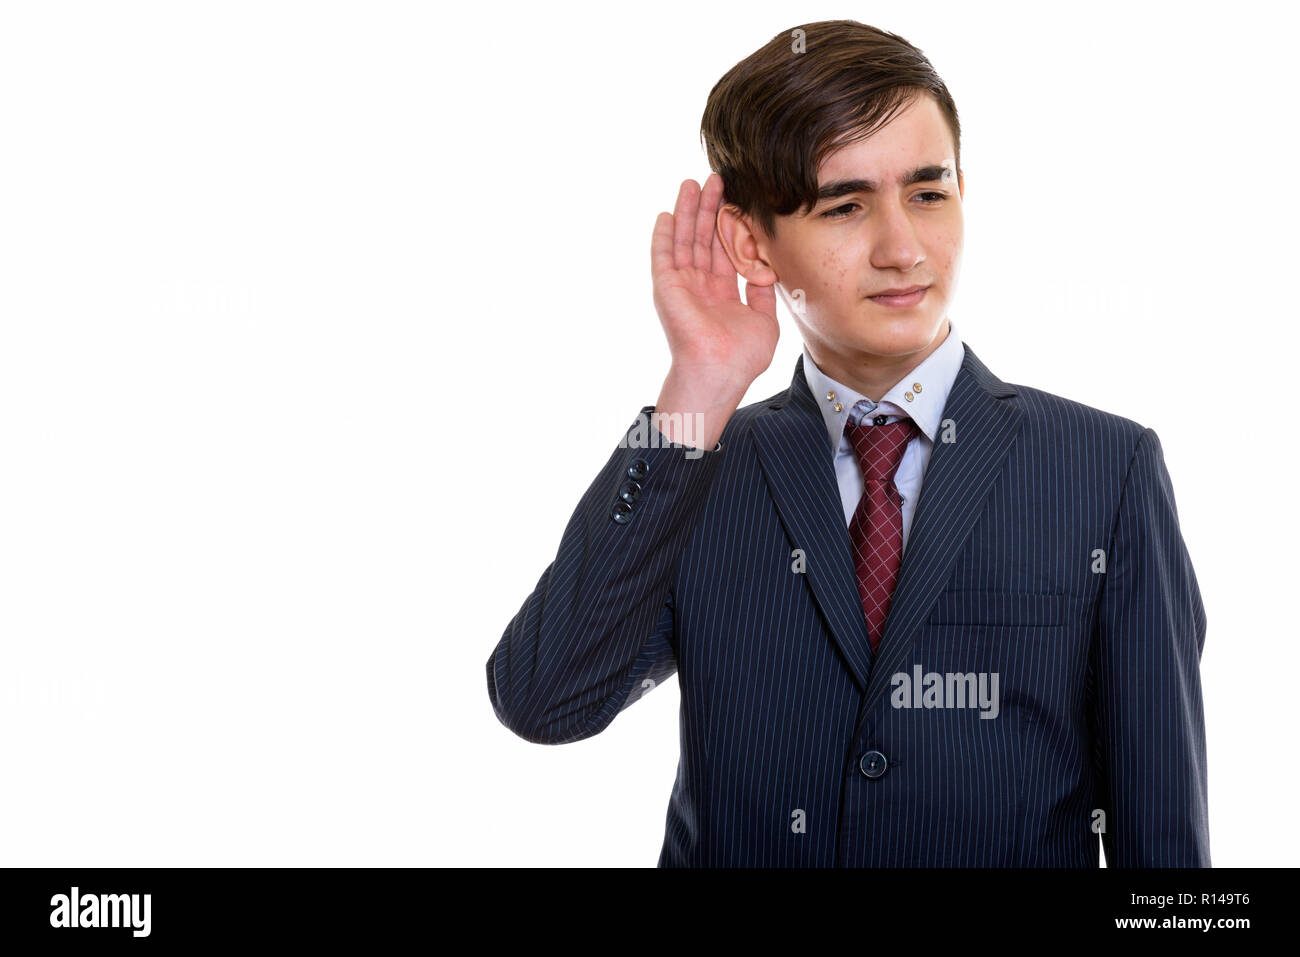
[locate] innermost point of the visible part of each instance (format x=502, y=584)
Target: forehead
x=916, y=135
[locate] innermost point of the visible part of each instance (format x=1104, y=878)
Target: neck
x=869, y=374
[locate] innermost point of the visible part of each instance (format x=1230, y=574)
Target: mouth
x=900, y=298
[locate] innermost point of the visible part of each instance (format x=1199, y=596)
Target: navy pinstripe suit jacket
x=795, y=747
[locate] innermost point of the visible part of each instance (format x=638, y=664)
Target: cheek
x=822, y=273
x=946, y=253
x=956, y=237
x=834, y=273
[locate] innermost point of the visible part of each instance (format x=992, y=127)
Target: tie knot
x=880, y=448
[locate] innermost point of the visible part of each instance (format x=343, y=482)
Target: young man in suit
x=919, y=617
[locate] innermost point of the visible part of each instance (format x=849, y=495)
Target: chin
x=902, y=335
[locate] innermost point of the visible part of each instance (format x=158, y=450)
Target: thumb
x=761, y=298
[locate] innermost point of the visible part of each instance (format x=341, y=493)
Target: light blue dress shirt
x=920, y=395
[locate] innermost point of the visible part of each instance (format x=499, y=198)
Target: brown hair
x=775, y=115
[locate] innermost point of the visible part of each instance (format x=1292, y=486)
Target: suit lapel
x=795, y=454
x=796, y=459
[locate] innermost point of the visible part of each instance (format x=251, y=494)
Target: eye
x=839, y=212
x=928, y=198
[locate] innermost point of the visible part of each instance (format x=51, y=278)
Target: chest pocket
x=1001, y=608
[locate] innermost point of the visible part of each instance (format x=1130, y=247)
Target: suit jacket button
x=873, y=764
x=622, y=513
x=638, y=469
x=630, y=491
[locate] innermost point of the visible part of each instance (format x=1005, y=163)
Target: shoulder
x=1071, y=423
x=742, y=420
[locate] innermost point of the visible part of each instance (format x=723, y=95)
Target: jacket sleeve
x=597, y=633
x=1149, y=721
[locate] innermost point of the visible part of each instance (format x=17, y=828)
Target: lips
x=900, y=297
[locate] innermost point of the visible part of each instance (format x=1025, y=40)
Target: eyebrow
x=842, y=187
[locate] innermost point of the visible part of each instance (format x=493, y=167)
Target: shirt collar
x=920, y=395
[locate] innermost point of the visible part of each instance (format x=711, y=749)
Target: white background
x=317, y=320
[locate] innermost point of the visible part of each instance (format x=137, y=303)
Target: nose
x=895, y=244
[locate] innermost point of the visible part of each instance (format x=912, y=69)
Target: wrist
x=693, y=409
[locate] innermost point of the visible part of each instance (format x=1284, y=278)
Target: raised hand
x=719, y=344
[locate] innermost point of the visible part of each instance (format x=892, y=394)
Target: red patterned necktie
x=876, y=530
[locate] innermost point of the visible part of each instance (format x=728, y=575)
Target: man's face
x=876, y=234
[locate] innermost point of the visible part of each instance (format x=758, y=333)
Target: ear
x=961, y=186
x=746, y=245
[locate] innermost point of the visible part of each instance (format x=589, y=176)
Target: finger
x=720, y=262
x=706, y=221
x=661, y=245
x=688, y=204
x=761, y=298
